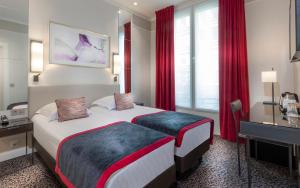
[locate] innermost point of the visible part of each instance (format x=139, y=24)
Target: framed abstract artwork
x=71, y=46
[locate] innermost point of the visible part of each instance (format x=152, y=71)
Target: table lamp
x=269, y=77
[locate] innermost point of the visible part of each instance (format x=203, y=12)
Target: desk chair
x=236, y=106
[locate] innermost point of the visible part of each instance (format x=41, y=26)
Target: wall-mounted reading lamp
x=116, y=66
x=36, y=58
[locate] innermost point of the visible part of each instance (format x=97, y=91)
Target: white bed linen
x=192, y=138
x=137, y=174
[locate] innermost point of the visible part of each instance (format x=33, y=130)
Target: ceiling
x=124, y=17
x=145, y=8
x=14, y=10
x=17, y=10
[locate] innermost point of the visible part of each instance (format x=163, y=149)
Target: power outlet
x=14, y=143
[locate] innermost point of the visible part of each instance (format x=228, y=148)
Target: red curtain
x=233, y=65
x=127, y=57
x=165, y=80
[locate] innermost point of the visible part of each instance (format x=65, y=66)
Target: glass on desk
x=292, y=114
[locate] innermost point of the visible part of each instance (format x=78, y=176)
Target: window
x=196, y=57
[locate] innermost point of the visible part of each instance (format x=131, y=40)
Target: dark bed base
x=191, y=160
x=166, y=179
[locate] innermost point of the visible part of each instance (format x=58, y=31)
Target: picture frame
x=78, y=47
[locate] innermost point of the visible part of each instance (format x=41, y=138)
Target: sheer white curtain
x=206, y=57
x=196, y=57
x=182, y=49
x=121, y=55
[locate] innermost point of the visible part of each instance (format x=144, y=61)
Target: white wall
x=1, y=79
x=268, y=46
x=93, y=15
x=297, y=77
x=296, y=64
x=140, y=60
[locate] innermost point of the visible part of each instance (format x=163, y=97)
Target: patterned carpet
x=218, y=169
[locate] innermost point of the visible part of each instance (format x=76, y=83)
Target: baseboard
x=11, y=154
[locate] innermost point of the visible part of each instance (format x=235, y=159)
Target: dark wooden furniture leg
x=238, y=154
x=256, y=152
x=236, y=106
x=26, y=145
x=298, y=164
x=248, y=162
x=32, y=151
x=291, y=160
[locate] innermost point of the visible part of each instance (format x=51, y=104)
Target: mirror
x=13, y=54
x=125, y=51
x=134, y=53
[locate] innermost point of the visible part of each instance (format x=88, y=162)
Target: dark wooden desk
x=261, y=126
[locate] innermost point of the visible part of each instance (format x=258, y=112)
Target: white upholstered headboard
x=42, y=95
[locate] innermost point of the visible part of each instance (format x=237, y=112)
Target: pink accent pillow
x=123, y=101
x=68, y=109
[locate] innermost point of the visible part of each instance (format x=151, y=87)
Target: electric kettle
x=287, y=98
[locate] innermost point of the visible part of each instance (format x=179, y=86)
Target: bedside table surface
x=16, y=126
x=139, y=103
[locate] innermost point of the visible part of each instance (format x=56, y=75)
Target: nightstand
x=139, y=103
x=17, y=126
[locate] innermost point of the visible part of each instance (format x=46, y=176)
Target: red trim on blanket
x=116, y=166
x=131, y=158
x=191, y=126
x=181, y=133
x=63, y=178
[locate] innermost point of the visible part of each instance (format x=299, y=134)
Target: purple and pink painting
x=76, y=47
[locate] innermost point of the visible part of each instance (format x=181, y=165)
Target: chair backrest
x=235, y=107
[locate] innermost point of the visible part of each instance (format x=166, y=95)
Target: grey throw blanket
x=88, y=159
x=173, y=123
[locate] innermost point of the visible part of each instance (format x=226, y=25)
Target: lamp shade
x=269, y=76
x=117, y=65
x=36, y=56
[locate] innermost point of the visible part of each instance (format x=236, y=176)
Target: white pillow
x=106, y=102
x=50, y=111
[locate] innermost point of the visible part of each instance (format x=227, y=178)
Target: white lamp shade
x=269, y=76
x=117, y=65
x=36, y=56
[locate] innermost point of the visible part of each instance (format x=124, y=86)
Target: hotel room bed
x=50, y=134
x=146, y=171
x=195, y=142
